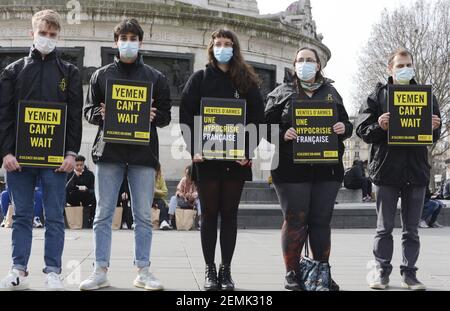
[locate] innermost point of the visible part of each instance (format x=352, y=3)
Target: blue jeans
x=6, y=199
x=431, y=210
x=108, y=179
x=21, y=186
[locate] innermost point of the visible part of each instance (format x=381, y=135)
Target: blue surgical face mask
x=223, y=55
x=306, y=71
x=404, y=75
x=128, y=49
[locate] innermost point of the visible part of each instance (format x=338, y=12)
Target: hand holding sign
x=197, y=158
x=383, y=121
x=102, y=110
x=67, y=166
x=339, y=128
x=153, y=113
x=436, y=122
x=10, y=163
x=291, y=134
x=245, y=162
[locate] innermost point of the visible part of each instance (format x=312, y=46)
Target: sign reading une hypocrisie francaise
x=223, y=128
x=127, y=115
x=313, y=122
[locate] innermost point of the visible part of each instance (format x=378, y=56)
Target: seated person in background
x=186, y=196
x=159, y=199
x=431, y=210
x=6, y=201
x=124, y=200
x=80, y=190
x=355, y=178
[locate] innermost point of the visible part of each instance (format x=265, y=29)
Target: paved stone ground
x=177, y=259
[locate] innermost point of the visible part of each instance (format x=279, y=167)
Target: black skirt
x=212, y=170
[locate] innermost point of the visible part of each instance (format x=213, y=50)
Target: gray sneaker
x=146, y=280
x=380, y=279
x=411, y=282
x=96, y=280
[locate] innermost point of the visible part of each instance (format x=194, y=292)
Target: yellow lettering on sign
x=314, y=112
x=129, y=93
x=403, y=98
x=127, y=118
x=223, y=111
x=42, y=116
x=41, y=142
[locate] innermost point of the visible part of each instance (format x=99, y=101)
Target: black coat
x=392, y=165
x=213, y=82
x=120, y=153
x=52, y=80
x=279, y=111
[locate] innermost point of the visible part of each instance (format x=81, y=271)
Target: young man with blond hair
x=41, y=76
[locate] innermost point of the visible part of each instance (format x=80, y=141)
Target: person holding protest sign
x=219, y=182
x=44, y=77
x=113, y=159
x=397, y=171
x=306, y=191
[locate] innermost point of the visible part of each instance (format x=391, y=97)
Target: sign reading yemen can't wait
x=127, y=115
x=316, y=142
x=41, y=134
x=223, y=128
x=411, y=108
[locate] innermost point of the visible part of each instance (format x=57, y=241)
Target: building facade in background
x=176, y=36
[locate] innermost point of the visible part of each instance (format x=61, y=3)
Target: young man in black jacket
x=113, y=159
x=80, y=190
x=398, y=172
x=41, y=76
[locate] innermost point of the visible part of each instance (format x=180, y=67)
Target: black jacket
x=392, y=165
x=52, y=80
x=213, y=82
x=279, y=111
x=87, y=179
x=120, y=153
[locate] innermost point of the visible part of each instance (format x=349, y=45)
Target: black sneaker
x=291, y=281
x=334, y=286
x=411, y=282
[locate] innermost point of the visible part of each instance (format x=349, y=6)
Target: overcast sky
x=346, y=27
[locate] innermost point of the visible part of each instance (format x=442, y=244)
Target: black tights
x=219, y=197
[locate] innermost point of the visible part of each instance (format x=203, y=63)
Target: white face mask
x=306, y=71
x=44, y=45
x=128, y=49
x=404, y=75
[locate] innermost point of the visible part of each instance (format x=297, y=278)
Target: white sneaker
x=164, y=225
x=37, y=222
x=423, y=224
x=14, y=281
x=147, y=280
x=3, y=224
x=53, y=282
x=96, y=280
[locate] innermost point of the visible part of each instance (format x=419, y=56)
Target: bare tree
x=424, y=29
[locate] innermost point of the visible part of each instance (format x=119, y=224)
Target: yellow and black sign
x=127, y=116
x=41, y=134
x=411, y=108
x=313, y=122
x=223, y=128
